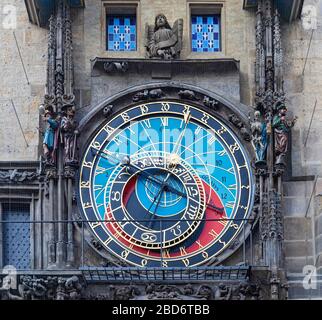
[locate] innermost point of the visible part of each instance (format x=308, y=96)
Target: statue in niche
x=281, y=127
x=162, y=41
x=69, y=131
x=50, y=141
x=259, y=138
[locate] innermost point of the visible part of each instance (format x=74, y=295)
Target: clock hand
x=124, y=163
x=155, y=209
x=156, y=180
x=187, y=117
x=174, y=157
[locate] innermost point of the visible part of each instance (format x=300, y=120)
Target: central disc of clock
x=157, y=196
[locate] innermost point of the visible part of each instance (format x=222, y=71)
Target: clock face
x=171, y=182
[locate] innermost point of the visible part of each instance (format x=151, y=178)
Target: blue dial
x=171, y=182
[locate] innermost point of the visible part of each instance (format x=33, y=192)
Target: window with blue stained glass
x=205, y=35
x=121, y=33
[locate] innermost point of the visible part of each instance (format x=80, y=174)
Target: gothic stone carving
x=188, y=95
x=210, y=103
x=148, y=94
x=15, y=176
x=116, y=66
x=46, y=288
x=235, y=120
x=107, y=110
x=162, y=41
x=153, y=291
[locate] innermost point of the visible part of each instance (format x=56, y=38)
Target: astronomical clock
x=165, y=183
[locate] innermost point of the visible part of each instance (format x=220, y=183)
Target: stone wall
x=303, y=82
x=25, y=94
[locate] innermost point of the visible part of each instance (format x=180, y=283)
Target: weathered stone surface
x=297, y=228
x=295, y=265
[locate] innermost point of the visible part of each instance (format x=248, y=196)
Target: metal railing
x=94, y=273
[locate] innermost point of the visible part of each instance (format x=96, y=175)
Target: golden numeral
x=125, y=254
x=165, y=106
x=183, y=251
x=213, y=233
x=106, y=242
x=96, y=145
x=85, y=184
x=186, y=262
x=144, y=109
x=95, y=224
x=87, y=205
x=221, y=130
x=223, y=222
x=199, y=244
x=234, y=225
x=166, y=253
x=125, y=116
x=234, y=147
x=205, y=254
x=88, y=164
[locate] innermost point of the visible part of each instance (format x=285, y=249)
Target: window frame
x=116, y=7
x=207, y=8
x=31, y=252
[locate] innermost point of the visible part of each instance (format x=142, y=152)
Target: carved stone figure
x=73, y=288
x=124, y=293
x=187, y=94
x=146, y=94
x=51, y=136
x=204, y=292
x=107, y=110
x=223, y=292
x=259, y=138
x=69, y=131
x=162, y=41
x=210, y=103
x=5, y=290
x=188, y=290
x=14, y=176
x=236, y=121
x=61, y=289
x=281, y=128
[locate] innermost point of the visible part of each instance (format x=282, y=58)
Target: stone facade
x=235, y=81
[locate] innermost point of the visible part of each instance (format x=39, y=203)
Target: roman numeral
x=213, y=233
x=183, y=251
x=165, y=121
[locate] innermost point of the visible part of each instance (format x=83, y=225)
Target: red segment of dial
x=211, y=229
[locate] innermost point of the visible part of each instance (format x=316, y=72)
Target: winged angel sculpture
x=162, y=41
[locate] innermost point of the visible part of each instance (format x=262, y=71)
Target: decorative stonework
x=42, y=288
x=18, y=176
x=162, y=41
x=236, y=121
x=148, y=94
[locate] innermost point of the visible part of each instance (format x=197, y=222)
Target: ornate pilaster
x=60, y=139
x=270, y=136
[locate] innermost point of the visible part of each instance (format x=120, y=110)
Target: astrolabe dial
x=165, y=184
